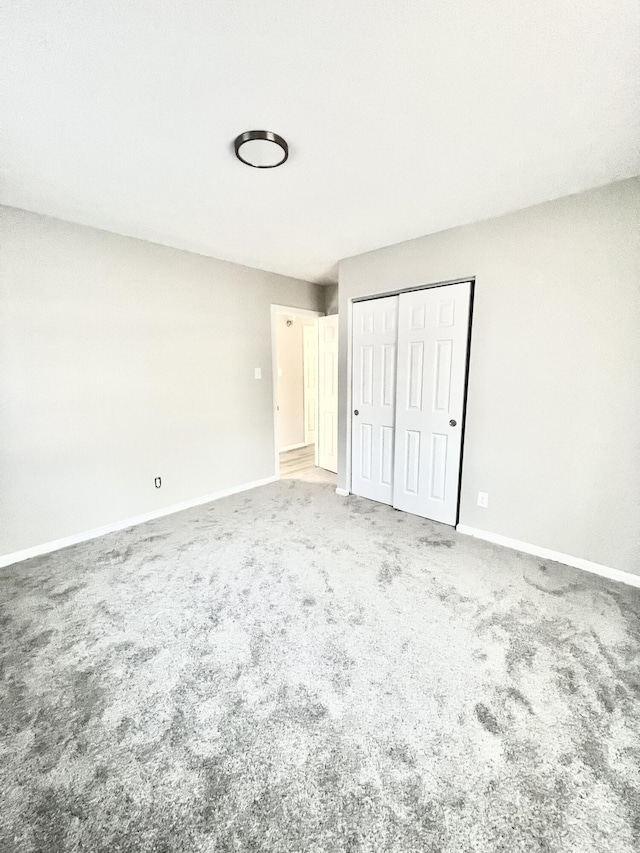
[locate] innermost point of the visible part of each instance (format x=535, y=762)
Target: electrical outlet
x=258, y=373
x=483, y=499
x=158, y=482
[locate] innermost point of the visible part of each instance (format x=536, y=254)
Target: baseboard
x=548, y=554
x=48, y=547
x=344, y=493
x=293, y=447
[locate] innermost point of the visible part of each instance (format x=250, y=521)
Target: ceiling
x=403, y=117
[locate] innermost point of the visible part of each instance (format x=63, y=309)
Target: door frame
x=397, y=292
x=296, y=312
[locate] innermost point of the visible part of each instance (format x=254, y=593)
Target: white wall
x=290, y=364
x=331, y=299
x=553, y=419
x=121, y=360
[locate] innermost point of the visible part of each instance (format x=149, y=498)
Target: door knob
x=453, y=423
x=356, y=412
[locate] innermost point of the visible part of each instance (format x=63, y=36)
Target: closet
x=409, y=369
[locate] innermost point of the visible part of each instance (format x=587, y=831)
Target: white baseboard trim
x=47, y=547
x=344, y=493
x=293, y=447
x=548, y=554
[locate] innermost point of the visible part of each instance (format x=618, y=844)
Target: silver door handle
x=356, y=412
x=453, y=423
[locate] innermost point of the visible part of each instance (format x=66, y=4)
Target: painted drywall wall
x=553, y=416
x=120, y=361
x=290, y=390
x=331, y=299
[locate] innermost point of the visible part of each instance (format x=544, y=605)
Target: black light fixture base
x=267, y=136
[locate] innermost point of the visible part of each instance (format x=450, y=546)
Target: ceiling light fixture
x=261, y=149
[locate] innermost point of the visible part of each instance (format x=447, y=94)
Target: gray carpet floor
x=286, y=670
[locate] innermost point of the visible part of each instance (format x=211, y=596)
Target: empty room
x=320, y=426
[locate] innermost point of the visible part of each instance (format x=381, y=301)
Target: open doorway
x=297, y=416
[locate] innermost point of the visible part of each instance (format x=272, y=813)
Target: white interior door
x=433, y=327
x=310, y=372
x=373, y=398
x=328, y=393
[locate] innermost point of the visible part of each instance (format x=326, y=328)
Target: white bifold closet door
x=433, y=329
x=416, y=386
x=373, y=391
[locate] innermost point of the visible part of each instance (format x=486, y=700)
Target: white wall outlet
x=483, y=499
x=258, y=373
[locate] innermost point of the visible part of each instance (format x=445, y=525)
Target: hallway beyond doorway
x=300, y=464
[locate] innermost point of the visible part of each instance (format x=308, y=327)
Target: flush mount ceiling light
x=261, y=149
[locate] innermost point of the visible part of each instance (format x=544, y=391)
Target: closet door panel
x=373, y=394
x=433, y=329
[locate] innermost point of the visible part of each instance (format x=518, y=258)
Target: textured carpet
x=286, y=670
